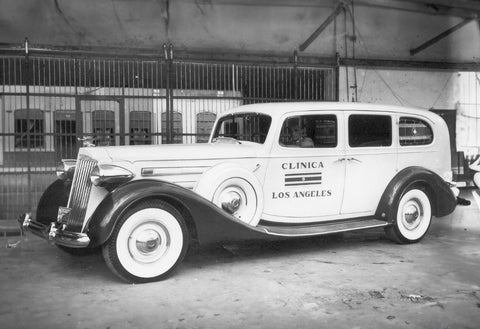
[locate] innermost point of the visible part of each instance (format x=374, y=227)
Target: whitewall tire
x=413, y=217
x=148, y=242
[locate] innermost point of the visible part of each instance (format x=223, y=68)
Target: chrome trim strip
x=169, y=171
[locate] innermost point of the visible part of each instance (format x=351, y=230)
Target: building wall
x=424, y=89
x=468, y=114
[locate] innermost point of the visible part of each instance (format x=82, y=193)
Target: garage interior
x=128, y=72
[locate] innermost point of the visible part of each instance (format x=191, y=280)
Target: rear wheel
x=413, y=217
x=147, y=243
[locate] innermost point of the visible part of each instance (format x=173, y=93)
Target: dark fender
x=54, y=196
x=206, y=222
x=442, y=198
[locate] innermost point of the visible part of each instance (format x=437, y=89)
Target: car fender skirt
x=442, y=198
x=211, y=224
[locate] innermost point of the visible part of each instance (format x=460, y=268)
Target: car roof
x=279, y=109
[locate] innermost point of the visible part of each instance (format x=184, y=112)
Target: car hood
x=182, y=152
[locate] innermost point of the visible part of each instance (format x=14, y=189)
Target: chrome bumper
x=54, y=234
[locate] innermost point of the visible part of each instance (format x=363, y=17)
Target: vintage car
x=279, y=170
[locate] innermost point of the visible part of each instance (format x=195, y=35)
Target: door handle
x=340, y=160
x=354, y=159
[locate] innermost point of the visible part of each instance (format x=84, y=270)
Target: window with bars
x=29, y=129
x=65, y=131
x=103, y=123
x=205, y=121
x=140, y=127
x=414, y=131
x=177, y=127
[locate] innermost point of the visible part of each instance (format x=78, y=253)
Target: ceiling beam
x=321, y=28
x=472, y=5
x=439, y=37
x=433, y=7
x=235, y=56
x=409, y=64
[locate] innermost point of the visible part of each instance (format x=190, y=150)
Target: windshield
x=250, y=127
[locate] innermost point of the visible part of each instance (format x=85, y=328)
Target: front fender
x=54, y=196
x=442, y=198
x=211, y=223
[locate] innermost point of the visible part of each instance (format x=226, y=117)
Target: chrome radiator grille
x=80, y=192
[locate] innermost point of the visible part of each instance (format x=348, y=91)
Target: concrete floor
x=351, y=280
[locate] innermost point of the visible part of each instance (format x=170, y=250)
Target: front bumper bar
x=53, y=233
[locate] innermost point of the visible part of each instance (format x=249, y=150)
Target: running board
x=322, y=228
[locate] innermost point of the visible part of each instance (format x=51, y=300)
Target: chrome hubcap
x=148, y=241
x=238, y=198
x=412, y=215
x=231, y=201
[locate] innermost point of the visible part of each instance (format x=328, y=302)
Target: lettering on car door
x=306, y=171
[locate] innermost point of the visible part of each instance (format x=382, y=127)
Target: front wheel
x=148, y=242
x=413, y=217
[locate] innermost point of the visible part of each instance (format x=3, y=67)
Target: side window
x=29, y=128
x=319, y=131
x=414, y=132
x=368, y=130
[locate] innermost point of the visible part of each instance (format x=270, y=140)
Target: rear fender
x=442, y=198
x=206, y=221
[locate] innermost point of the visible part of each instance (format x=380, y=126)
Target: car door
x=371, y=158
x=304, y=180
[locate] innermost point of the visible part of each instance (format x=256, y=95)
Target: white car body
x=281, y=169
x=353, y=179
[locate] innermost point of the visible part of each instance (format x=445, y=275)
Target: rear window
x=366, y=130
x=414, y=131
